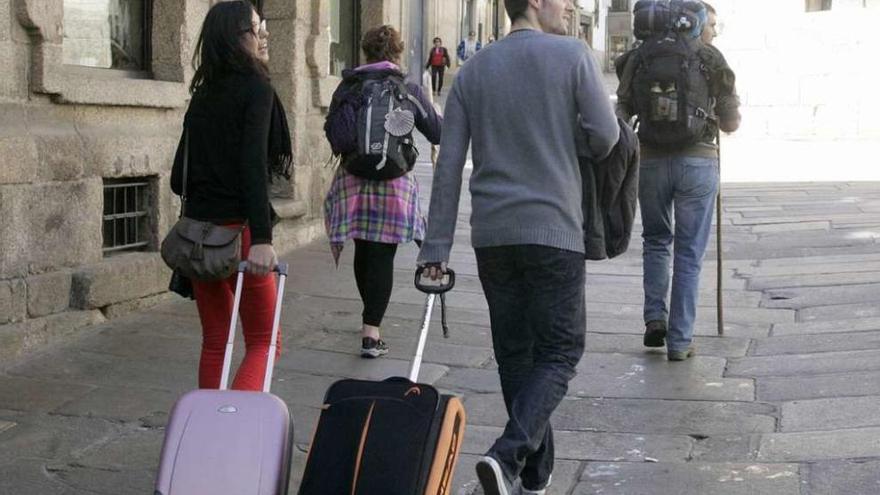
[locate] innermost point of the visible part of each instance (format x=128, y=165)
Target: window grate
x=127, y=213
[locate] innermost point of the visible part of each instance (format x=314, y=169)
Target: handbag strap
x=185, y=171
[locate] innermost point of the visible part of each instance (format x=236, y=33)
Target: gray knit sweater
x=520, y=102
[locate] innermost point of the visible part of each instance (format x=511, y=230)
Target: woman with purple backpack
x=378, y=214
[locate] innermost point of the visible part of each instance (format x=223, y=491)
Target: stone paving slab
x=705, y=326
x=856, y=477
x=827, y=326
x=855, y=311
x=26, y=476
x=706, y=346
x=741, y=315
x=796, y=344
x=653, y=377
x=37, y=395
x=777, y=270
x=820, y=445
x=814, y=280
x=830, y=414
x=806, y=297
x=438, y=352
x=344, y=365
x=819, y=386
x=642, y=416
x=689, y=479
x=803, y=364
x=580, y=445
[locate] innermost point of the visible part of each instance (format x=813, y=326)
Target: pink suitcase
x=221, y=442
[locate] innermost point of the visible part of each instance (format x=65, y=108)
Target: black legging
x=437, y=77
x=374, y=275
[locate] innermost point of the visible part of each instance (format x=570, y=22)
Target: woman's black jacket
x=228, y=124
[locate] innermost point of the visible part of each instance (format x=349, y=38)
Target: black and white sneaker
x=492, y=477
x=373, y=348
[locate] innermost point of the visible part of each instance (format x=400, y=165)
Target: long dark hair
x=219, y=50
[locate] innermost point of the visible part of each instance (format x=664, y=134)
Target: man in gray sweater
x=521, y=103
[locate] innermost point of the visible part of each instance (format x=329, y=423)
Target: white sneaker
x=543, y=491
x=492, y=477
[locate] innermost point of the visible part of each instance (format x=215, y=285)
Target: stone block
x=119, y=278
x=624, y=478
x=820, y=445
x=39, y=235
x=48, y=294
x=115, y=155
x=830, y=414
x=830, y=326
x=851, y=477
x=13, y=300
x=814, y=387
x=126, y=307
x=805, y=364
x=19, y=163
x=20, y=339
x=34, y=395
x=797, y=344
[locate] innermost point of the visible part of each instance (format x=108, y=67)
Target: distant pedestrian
x=377, y=214
x=469, y=47
x=520, y=106
x=237, y=139
x=678, y=125
x=438, y=62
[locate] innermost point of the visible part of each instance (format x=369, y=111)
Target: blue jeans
x=538, y=317
x=686, y=186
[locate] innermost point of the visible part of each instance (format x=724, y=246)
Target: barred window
x=128, y=214
x=620, y=5
x=108, y=34
x=817, y=5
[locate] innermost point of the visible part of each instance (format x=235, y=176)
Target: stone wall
x=804, y=75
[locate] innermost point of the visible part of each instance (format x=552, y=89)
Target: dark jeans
x=538, y=315
x=374, y=275
x=437, y=78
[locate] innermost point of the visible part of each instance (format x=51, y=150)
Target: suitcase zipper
x=360, y=453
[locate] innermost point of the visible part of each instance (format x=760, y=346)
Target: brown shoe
x=655, y=333
x=681, y=355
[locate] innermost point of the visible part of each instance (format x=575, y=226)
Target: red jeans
x=257, y=311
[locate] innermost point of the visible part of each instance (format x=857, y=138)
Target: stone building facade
x=92, y=96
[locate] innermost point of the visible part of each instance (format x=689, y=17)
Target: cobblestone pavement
x=788, y=402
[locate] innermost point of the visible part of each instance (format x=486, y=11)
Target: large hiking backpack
x=656, y=17
x=371, y=124
x=670, y=91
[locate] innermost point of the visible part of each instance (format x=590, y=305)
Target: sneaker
x=492, y=477
x=655, y=333
x=681, y=355
x=373, y=348
x=536, y=491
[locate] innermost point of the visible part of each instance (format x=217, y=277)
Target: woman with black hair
x=237, y=140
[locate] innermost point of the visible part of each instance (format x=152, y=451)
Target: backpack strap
x=404, y=92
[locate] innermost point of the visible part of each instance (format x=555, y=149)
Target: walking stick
x=718, y=248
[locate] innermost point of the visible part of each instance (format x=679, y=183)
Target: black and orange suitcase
x=391, y=437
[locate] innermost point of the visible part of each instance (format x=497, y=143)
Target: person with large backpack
x=681, y=92
x=373, y=198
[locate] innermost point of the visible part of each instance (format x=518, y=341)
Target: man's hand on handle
x=434, y=271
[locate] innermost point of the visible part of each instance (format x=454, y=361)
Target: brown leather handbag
x=198, y=249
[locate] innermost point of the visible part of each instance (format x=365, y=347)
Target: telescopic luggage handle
x=433, y=291
x=281, y=270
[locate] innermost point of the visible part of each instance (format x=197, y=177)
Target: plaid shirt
x=379, y=211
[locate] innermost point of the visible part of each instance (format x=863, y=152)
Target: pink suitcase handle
x=281, y=269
